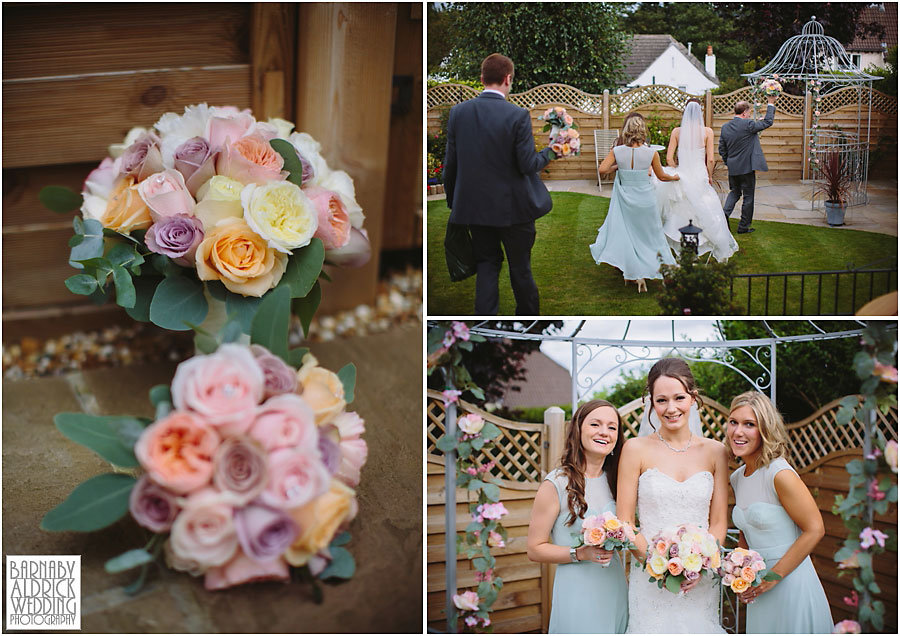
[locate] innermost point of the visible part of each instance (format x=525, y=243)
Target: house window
x=856, y=58
x=682, y=87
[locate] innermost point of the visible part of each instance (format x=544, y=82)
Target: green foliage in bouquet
x=872, y=486
x=695, y=288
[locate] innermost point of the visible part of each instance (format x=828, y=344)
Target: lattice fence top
x=570, y=97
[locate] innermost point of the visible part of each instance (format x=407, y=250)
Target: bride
x=671, y=475
x=693, y=198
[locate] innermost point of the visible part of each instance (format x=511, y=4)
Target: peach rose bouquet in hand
x=681, y=554
x=742, y=569
x=210, y=204
x=605, y=531
x=248, y=468
x=564, y=138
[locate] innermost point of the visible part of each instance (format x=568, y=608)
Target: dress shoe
x=747, y=231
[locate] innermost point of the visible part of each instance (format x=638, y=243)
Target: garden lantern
x=690, y=237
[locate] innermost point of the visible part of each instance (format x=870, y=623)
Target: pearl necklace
x=677, y=450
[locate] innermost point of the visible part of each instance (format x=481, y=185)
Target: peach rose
x=739, y=585
x=204, y=531
x=236, y=255
x=319, y=520
x=662, y=546
x=295, y=478
x=250, y=160
x=285, y=421
x=321, y=389
x=334, y=222
x=125, y=210
x=177, y=452
x=224, y=387
x=594, y=536
x=675, y=567
x=242, y=569
x=748, y=574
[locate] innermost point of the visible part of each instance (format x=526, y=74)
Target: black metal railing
x=821, y=293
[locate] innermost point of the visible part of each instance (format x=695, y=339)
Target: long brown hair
x=673, y=368
x=573, y=461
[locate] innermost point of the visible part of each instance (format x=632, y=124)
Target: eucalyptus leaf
x=478, y=443
x=243, y=309
x=305, y=308
x=128, y=560
x=490, y=431
x=217, y=290
x=165, y=265
x=60, y=199
x=205, y=343
x=124, y=255
x=98, y=433
x=178, y=301
x=292, y=162
x=75, y=239
x=125, y=293
x=231, y=331
x=673, y=583
x=347, y=376
x=144, y=289
x=303, y=268
x=342, y=538
x=135, y=586
x=82, y=284
x=94, y=504
x=270, y=325
x=446, y=443
x=475, y=484
x=160, y=393
x=342, y=565
x=464, y=449
x=295, y=356
x=491, y=491
x=91, y=246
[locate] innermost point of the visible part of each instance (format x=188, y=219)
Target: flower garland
x=473, y=436
x=871, y=486
x=815, y=87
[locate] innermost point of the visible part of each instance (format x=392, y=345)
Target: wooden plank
x=272, y=43
x=35, y=266
x=466, y=578
x=22, y=211
x=65, y=39
x=345, y=54
x=513, y=594
x=57, y=121
x=514, y=545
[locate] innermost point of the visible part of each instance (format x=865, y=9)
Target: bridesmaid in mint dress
x=632, y=237
x=777, y=517
x=589, y=591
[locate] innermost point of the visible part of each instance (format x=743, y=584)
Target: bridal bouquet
x=564, y=138
x=248, y=467
x=742, y=569
x=210, y=205
x=771, y=86
x=681, y=554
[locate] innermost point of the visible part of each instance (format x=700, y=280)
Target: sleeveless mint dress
x=797, y=604
x=587, y=598
x=632, y=237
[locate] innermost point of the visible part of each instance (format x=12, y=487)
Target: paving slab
x=41, y=466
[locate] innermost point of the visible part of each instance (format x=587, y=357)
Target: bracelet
x=574, y=555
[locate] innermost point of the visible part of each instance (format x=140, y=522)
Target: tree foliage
x=440, y=38
x=579, y=44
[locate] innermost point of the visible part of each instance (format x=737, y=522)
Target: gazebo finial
x=813, y=27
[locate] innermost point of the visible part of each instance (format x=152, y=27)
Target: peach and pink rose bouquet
x=210, y=205
x=564, y=138
x=681, y=554
x=606, y=531
x=742, y=569
x=249, y=468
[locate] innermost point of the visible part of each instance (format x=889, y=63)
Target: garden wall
x=782, y=143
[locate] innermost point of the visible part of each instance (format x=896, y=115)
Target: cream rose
x=204, y=530
x=234, y=254
x=319, y=520
x=281, y=213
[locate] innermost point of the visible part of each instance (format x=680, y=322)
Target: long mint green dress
x=632, y=237
x=587, y=597
x=797, y=604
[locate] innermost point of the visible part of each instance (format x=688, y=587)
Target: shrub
x=695, y=288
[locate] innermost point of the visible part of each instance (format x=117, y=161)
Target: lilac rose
x=280, y=376
x=690, y=575
x=263, y=532
x=142, y=158
x=195, y=160
x=176, y=237
x=355, y=253
x=329, y=449
x=239, y=467
x=152, y=506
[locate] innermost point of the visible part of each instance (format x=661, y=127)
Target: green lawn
x=571, y=284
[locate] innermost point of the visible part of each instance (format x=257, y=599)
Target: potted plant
x=834, y=184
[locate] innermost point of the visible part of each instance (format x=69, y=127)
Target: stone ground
x=785, y=202
x=41, y=467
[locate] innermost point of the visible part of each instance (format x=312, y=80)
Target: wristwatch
x=573, y=555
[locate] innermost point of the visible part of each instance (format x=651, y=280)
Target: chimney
x=689, y=47
x=710, y=61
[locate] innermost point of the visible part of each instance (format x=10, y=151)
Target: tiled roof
x=546, y=383
x=886, y=19
x=646, y=48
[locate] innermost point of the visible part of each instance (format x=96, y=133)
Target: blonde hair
x=634, y=131
x=774, y=436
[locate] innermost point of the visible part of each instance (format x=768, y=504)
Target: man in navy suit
x=491, y=180
x=741, y=152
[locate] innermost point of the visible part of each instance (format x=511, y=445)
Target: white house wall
x=672, y=68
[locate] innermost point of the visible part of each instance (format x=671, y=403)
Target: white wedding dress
x=692, y=198
x=664, y=502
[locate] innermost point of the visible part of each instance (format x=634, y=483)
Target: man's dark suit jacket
x=491, y=168
x=739, y=143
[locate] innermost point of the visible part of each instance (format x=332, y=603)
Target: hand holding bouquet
x=681, y=554
x=742, y=569
x=564, y=138
x=606, y=531
x=771, y=86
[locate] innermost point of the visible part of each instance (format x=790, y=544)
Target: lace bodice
x=665, y=502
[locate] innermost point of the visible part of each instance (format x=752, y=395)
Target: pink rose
x=675, y=567
x=152, y=506
x=280, y=377
x=177, y=452
x=847, y=627
x=263, y=532
x=285, y=421
x=204, y=531
x=466, y=601
x=239, y=467
x=295, y=478
x=355, y=253
x=242, y=569
x=166, y=194
x=195, y=160
x=354, y=453
x=227, y=123
x=334, y=222
x=350, y=425
x=224, y=387
x=319, y=561
x=250, y=160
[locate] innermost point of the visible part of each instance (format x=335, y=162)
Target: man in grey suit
x=741, y=152
x=492, y=184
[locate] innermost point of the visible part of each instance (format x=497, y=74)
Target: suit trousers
x=517, y=241
x=742, y=185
